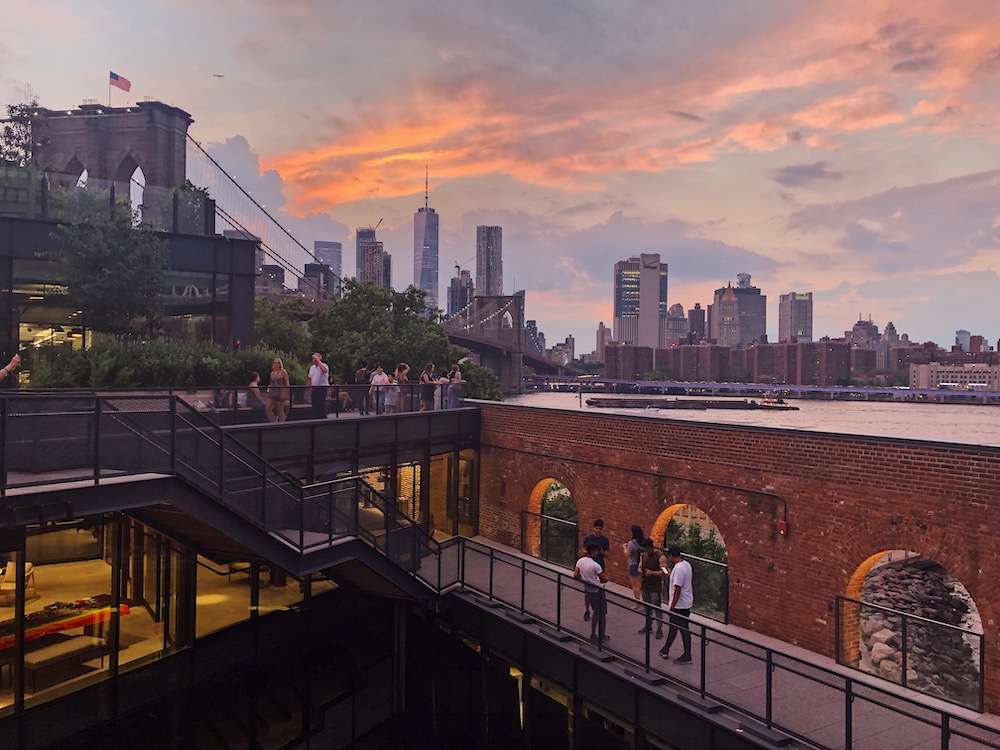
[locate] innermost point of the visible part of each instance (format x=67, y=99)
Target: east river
x=949, y=423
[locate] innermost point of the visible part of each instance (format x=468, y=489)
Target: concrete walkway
x=808, y=690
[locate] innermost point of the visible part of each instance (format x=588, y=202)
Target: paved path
x=808, y=690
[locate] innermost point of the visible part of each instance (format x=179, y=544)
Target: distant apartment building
x=795, y=317
x=974, y=376
x=460, y=293
x=563, y=353
x=489, y=261
x=738, y=315
x=627, y=362
x=696, y=323
x=963, y=339
x=425, y=250
x=531, y=343
x=331, y=254
x=603, y=337
x=318, y=282
x=376, y=264
x=361, y=236
x=676, y=326
x=640, y=285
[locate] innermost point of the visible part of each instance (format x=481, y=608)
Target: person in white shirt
x=392, y=395
x=378, y=383
x=681, y=600
x=590, y=572
x=319, y=379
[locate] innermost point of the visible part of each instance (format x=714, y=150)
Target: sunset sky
x=846, y=148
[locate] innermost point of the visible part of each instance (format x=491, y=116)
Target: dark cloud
x=932, y=226
x=914, y=65
x=797, y=175
x=687, y=116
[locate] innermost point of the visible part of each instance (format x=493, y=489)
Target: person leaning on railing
x=11, y=366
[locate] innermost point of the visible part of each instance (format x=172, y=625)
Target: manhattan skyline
x=846, y=149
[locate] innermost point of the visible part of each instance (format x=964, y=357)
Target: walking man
x=681, y=600
x=595, y=537
x=319, y=379
x=589, y=571
x=361, y=377
x=651, y=567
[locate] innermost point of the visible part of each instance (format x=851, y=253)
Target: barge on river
x=665, y=402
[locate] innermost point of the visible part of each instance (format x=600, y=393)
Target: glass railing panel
x=376, y=432
x=414, y=428
x=445, y=424
x=542, y=592
x=711, y=588
x=735, y=674
x=803, y=700
x=336, y=436
x=885, y=720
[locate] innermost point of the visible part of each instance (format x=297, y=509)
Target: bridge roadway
x=696, y=388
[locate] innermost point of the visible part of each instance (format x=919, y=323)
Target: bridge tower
x=110, y=142
x=501, y=318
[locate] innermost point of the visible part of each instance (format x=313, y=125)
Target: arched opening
x=906, y=619
x=550, y=528
x=137, y=187
x=506, y=320
x=701, y=542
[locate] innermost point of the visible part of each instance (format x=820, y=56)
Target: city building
x=974, y=376
x=361, y=236
x=318, y=281
x=677, y=329
x=531, y=342
x=489, y=261
x=627, y=362
x=641, y=301
x=376, y=264
x=460, y=293
x=425, y=249
x=863, y=334
x=331, y=254
x=795, y=317
x=962, y=339
x=603, y=337
x=738, y=316
x=696, y=323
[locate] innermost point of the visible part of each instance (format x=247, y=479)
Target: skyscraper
x=331, y=254
x=460, y=293
x=696, y=323
x=641, y=301
x=489, y=261
x=738, y=317
x=376, y=265
x=795, y=317
x=425, y=249
x=362, y=235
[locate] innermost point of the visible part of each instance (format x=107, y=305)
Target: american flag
x=120, y=82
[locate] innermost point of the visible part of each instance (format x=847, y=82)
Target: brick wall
x=847, y=498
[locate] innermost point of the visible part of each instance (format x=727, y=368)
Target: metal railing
x=122, y=435
x=935, y=658
x=52, y=439
x=812, y=703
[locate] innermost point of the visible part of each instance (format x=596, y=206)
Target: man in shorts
x=596, y=537
x=589, y=571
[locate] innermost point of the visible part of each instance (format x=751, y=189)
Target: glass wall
x=83, y=601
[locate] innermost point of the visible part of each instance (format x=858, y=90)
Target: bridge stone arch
x=106, y=141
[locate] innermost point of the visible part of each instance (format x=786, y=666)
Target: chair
x=8, y=583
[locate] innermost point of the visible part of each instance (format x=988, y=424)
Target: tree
x=371, y=324
x=279, y=326
x=114, y=272
x=480, y=382
x=16, y=136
